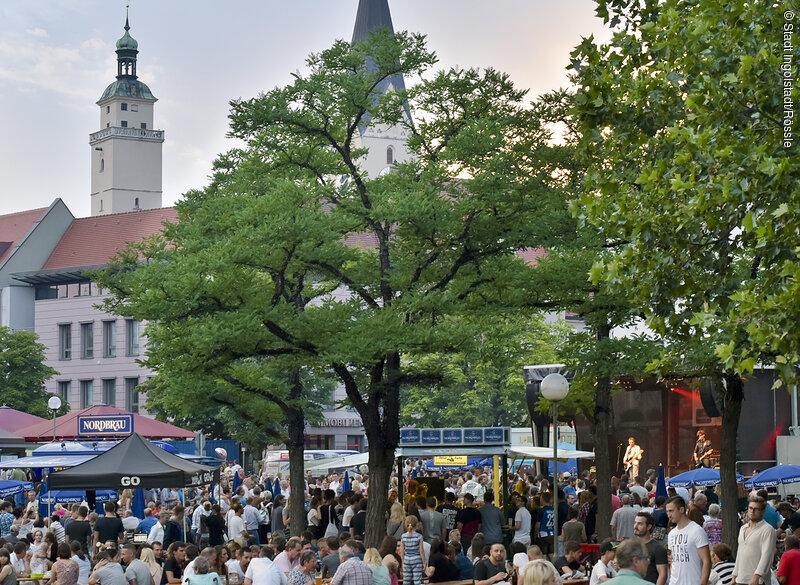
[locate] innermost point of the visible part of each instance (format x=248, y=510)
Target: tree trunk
x=381, y=461
x=296, y=444
x=602, y=461
x=734, y=395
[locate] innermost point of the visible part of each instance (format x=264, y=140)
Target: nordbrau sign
x=105, y=425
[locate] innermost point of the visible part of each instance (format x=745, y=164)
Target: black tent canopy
x=133, y=463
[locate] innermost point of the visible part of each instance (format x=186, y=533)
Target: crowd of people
x=446, y=527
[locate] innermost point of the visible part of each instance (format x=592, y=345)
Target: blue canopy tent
x=47, y=499
x=775, y=476
x=701, y=477
x=11, y=487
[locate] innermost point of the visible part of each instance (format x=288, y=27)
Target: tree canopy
x=23, y=373
x=690, y=182
x=293, y=259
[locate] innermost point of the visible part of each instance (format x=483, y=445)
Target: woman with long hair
x=389, y=547
x=327, y=514
x=65, y=570
x=221, y=568
x=148, y=557
x=51, y=547
x=380, y=573
x=83, y=562
x=7, y=574
x=313, y=517
x=475, y=551
x=441, y=564
x=394, y=526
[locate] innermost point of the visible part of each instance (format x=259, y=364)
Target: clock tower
x=126, y=151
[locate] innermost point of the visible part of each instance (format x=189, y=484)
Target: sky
x=57, y=57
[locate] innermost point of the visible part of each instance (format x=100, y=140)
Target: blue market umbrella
x=661, y=483
x=72, y=497
x=704, y=476
x=237, y=481
x=166, y=446
x=137, y=505
x=346, y=482
x=775, y=476
x=276, y=488
x=10, y=487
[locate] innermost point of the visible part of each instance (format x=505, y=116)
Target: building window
x=110, y=392
x=131, y=395
x=108, y=109
x=355, y=442
x=65, y=341
x=144, y=125
x=390, y=156
x=134, y=107
x=319, y=442
x=109, y=339
x=124, y=124
x=124, y=107
x=136, y=203
x=131, y=337
x=102, y=165
x=108, y=124
x=87, y=393
x=87, y=340
x=65, y=391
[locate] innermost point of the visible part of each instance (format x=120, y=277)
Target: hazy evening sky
x=57, y=57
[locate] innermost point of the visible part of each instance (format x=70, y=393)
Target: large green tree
x=689, y=177
x=383, y=266
x=23, y=373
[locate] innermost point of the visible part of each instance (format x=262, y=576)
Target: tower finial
x=127, y=26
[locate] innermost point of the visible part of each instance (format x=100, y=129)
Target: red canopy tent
x=12, y=420
x=67, y=426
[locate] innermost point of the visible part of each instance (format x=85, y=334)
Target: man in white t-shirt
x=262, y=571
x=688, y=545
x=603, y=570
x=522, y=521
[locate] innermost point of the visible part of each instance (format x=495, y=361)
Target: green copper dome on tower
x=127, y=41
x=127, y=84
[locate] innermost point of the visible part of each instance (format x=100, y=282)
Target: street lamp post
x=54, y=403
x=555, y=388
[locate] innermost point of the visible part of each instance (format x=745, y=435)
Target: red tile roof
x=14, y=227
x=92, y=241
x=67, y=425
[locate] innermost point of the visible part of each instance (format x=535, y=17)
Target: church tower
x=387, y=144
x=126, y=151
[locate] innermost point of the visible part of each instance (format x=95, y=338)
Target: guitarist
x=633, y=456
x=702, y=450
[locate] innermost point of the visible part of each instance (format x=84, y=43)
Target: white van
x=278, y=461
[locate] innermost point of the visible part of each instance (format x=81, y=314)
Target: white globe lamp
x=555, y=388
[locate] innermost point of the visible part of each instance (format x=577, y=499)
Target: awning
x=547, y=453
x=46, y=462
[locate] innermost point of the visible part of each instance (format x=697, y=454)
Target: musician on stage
x=633, y=456
x=702, y=450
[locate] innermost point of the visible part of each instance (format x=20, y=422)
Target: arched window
x=102, y=164
x=390, y=156
x=136, y=203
